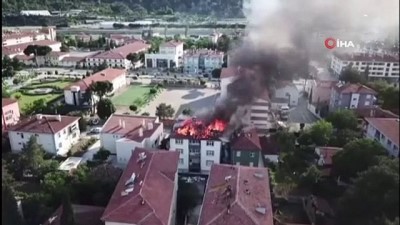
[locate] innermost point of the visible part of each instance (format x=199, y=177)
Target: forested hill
x=218, y=8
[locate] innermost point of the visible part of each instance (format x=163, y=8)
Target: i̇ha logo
x=331, y=43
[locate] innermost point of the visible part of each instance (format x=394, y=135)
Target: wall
x=46, y=140
x=246, y=158
x=289, y=89
x=10, y=114
x=203, y=151
x=108, y=141
x=184, y=153
x=124, y=149
x=392, y=149
x=64, y=139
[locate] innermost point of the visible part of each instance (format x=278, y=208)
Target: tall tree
x=351, y=75
x=105, y=108
x=321, y=132
x=133, y=57
x=223, y=43
x=67, y=216
x=164, y=111
x=10, y=213
x=101, y=88
x=33, y=156
x=343, y=119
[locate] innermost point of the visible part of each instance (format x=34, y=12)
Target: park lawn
x=60, y=84
x=131, y=95
x=27, y=99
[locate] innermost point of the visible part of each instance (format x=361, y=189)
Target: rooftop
x=365, y=57
x=375, y=112
x=135, y=128
x=247, y=140
x=171, y=44
x=387, y=126
x=70, y=163
x=19, y=48
x=24, y=57
x=144, y=194
x=349, y=88
x=108, y=74
x=123, y=51
x=8, y=101
x=83, y=215
x=322, y=91
x=46, y=124
x=237, y=195
x=326, y=154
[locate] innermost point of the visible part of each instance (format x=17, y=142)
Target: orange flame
x=197, y=129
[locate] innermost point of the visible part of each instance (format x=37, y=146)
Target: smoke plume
x=283, y=35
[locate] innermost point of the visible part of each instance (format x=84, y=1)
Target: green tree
x=6, y=61
x=164, y=111
x=133, y=108
x=48, y=166
x=64, y=48
x=350, y=75
x=102, y=154
x=187, y=111
x=9, y=72
x=56, y=182
x=105, y=108
x=67, y=216
x=101, y=67
x=343, y=119
x=356, y=157
x=133, y=57
x=10, y=213
x=311, y=177
x=375, y=194
x=37, y=50
x=16, y=64
x=321, y=132
x=153, y=91
x=286, y=140
x=33, y=156
x=83, y=123
x=101, y=88
x=223, y=43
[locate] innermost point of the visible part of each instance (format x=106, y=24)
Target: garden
x=137, y=96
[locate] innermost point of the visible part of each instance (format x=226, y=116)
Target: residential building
x=380, y=66
x=169, y=56
x=117, y=57
x=35, y=13
x=18, y=49
x=9, y=112
x=15, y=37
x=319, y=98
x=52, y=59
x=385, y=131
x=72, y=61
x=228, y=75
x=83, y=215
x=325, y=155
x=237, y=195
x=119, y=39
x=287, y=93
x=122, y=134
x=246, y=148
x=202, y=61
x=351, y=96
x=374, y=112
x=146, y=192
x=75, y=94
x=26, y=60
x=55, y=133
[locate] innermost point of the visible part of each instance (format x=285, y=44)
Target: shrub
x=133, y=108
x=102, y=154
x=202, y=82
x=56, y=72
x=83, y=123
x=153, y=91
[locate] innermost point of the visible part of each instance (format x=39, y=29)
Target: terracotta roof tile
x=327, y=154
x=108, y=74
x=19, y=48
x=375, y=112
x=149, y=203
x=247, y=193
x=24, y=57
x=387, y=126
x=83, y=215
x=171, y=44
x=48, y=124
x=354, y=88
x=132, y=126
x=247, y=141
x=123, y=51
x=7, y=101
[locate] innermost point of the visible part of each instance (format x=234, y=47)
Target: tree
x=101, y=88
x=35, y=107
x=16, y=64
x=101, y=67
x=342, y=137
x=83, y=124
x=67, y=215
x=216, y=73
x=164, y=111
x=343, y=119
x=105, y=108
x=133, y=57
x=64, y=48
x=350, y=75
x=188, y=197
x=102, y=154
x=153, y=91
x=375, y=194
x=187, y=111
x=33, y=156
x=48, y=166
x=37, y=50
x=311, y=177
x=11, y=215
x=223, y=43
x=133, y=108
x=356, y=157
x=6, y=61
x=321, y=132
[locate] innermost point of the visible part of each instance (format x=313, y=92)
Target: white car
x=95, y=130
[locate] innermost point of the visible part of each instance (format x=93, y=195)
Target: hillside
x=132, y=8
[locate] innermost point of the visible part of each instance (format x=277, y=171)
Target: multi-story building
x=169, y=56
x=146, y=192
x=288, y=92
x=351, y=96
x=15, y=37
x=9, y=112
x=246, y=148
x=117, y=57
x=18, y=49
x=55, y=133
x=122, y=134
x=75, y=94
x=237, y=195
x=320, y=95
x=380, y=66
x=385, y=131
x=202, y=61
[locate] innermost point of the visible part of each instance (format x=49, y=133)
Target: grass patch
x=60, y=84
x=81, y=147
x=134, y=93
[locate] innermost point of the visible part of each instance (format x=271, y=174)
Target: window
x=354, y=99
x=178, y=141
x=368, y=96
x=60, y=145
x=181, y=161
x=210, y=153
x=179, y=150
x=210, y=143
x=59, y=134
x=209, y=162
x=65, y=131
x=252, y=155
x=389, y=143
x=22, y=135
x=238, y=154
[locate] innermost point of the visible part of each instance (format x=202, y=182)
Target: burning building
x=200, y=144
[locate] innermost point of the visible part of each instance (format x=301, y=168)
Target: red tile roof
x=152, y=198
x=83, y=215
x=123, y=51
x=322, y=91
x=247, y=141
x=327, y=153
x=171, y=44
x=108, y=74
x=269, y=146
x=354, y=88
x=48, y=124
x=57, y=54
x=375, y=112
x=19, y=48
x=7, y=101
x=249, y=190
x=364, y=57
x=387, y=126
x=132, y=126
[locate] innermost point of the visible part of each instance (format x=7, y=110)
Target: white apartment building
x=385, y=131
x=55, y=133
x=169, y=55
x=196, y=155
x=202, y=61
x=286, y=92
x=74, y=94
x=117, y=57
x=15, y=37
x=121, y=134
x=380, y=66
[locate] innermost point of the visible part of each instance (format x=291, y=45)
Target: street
x=301, y=114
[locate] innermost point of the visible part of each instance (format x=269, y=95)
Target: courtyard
x=130, y=95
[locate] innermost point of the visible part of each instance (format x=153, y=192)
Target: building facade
x=169, y=55
x=18, y=49
x=351, y=96
x=246, y=148
x=289, y=92
x=202, y=61
x=9, y=112
x=55, y=133
x=15, y=37
x=385, y=131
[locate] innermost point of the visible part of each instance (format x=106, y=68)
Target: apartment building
x=55, y=133
x=385, y=131
x=146, y=192
x=15, y=37
x=122, y=134
x=380, y=66
x=351, y=96
x=18, y=49
x=9, y=112
x=246, y=148
x=287, y=93
x=169, y=55
x=202, y=61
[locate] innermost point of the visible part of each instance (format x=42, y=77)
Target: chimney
x=141, y=132
x=103, y=74
x=120, y=123
x=143, y=123
x=59, y=118
x=150, y=126
x=123, y=124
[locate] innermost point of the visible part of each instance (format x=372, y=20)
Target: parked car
x=95, y=130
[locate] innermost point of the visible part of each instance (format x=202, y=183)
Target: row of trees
x=10, y=66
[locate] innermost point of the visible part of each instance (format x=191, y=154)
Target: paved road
x=301, y=114
x=91, y=151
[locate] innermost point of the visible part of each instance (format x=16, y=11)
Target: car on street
x=95, y=130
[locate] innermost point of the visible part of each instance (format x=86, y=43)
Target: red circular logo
x=330, y=43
